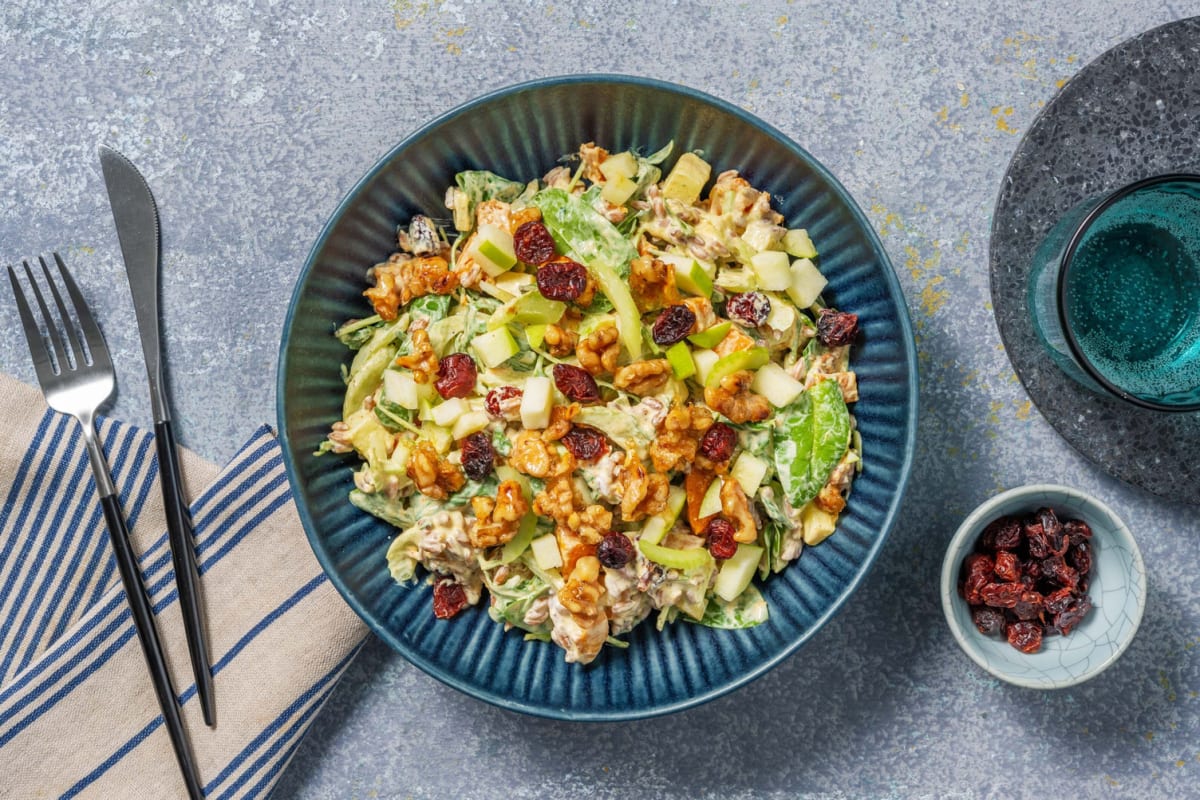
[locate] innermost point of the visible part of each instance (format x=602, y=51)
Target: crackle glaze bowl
x=1117, y=590
x=521, y=132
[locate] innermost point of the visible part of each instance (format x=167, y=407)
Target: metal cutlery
x=77, y=378
x=136, y=217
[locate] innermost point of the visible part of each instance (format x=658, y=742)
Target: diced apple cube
x=798, y=243
x=807, y=283
x=617, y=190
x=654, y=531
x=711, y=502
x=400, y=388
x=495, y=347
x=704, y=360
x=679, y=356
x=749, y=470
x=468, y=423
x=782, y=315
x=773, y=268
x=773, y=383
x=515, y=283
x=448, y=411
x=492, y=248
x=817, y=523
x=537, y=402
x=737, y=572
x=545, y=552
x=691, y=275
x=686, y=179
x=622, y=165
x=762, y=235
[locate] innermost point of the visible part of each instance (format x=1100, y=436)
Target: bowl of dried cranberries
x=1043, y=586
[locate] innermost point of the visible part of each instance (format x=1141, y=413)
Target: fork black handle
x=143, y=619
x=187, y=573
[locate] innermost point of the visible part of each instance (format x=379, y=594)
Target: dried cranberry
x=1066, y=620
x=478, y=455
x=1080, y=557
x=1059, y=600
x=972, y=588
x=1077, y=531
x=1001, y=595
x=1032, y=568
x=500, y=397
x=718, y=442
x=1029, y=605
x=750, y=308
x=615, y=550
x=562, y=280
x=1025, y=636
x=456, y=376
x=989, y=621
x=449, y=598
x=674, y=323
x=979, y=564
x=1008, y=567
x=718, y=534
x=585, y=443
x=1055, y=569
x=1036, y=540
x=1001, y=534
x=576, y=383
x=836, y=328
x=533, y=244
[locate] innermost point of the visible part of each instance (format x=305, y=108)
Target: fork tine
x=92, y=335
x=33, y=335
x=57, y=344
x=72, y=341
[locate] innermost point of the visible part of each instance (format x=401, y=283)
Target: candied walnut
x=643, y=377
x=599, y=350
x=580, y=595
x=735, y=507
x=496, y=521
x=422, y=360
x=518, y=217
x=643, y=493
x=532, y=455
x=734, y=399
x=433, y=477
x=830, y=499
x=560, y=342
x=494, y=212
x=653, y=283
x=401, y=278
x=679, y=437
x=590, y=524
x=706, y=317
x=560, y=422
x=556, y=500
x=591, y=156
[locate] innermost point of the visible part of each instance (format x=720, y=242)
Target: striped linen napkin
x=78, y=716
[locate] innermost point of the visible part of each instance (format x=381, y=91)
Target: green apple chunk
x=400, y=388
x=492, y=248
x=691, y=275
x=798, y=243
x=773, y=268
x=530, y=308
x=680, y=359
x=711, y=337
x=686, y=179
x=750, y=358
x=545, y=552
x=622, y=165
x=737, y=572
x=617, y=190
x=537, y=402
x=705, y=360
x=807, y=283
x=711, y=502
x=495, y=347
x=773, y=383
x=468, y=423
x=749, y=470
x=517, y=545
x=447, y=412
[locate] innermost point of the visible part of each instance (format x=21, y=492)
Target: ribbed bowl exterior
x=521, y=132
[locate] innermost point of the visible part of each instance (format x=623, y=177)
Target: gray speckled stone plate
x=1131, y=113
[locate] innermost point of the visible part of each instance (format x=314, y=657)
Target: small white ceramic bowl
x=1117, y=590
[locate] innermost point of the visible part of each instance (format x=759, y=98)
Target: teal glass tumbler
x=1115, y=293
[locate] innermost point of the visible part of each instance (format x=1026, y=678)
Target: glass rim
x=1064, y=271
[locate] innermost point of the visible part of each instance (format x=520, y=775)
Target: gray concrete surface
x=252, y=120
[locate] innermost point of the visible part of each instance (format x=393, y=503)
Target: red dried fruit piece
x=498, y=398
x=1029, y=605
x=1065, y=621
x=449, y=598
x=1059, y=600
x=585, y=443
x=1036, y=540
x=718, y=535
x=978, y=564
x=1031, y=568
x=1055, y=569
x=749, y=308
x=478, y=456
x=1008, y=566
x=673, y=324
x=533, y=244
x=972, y=588
x=456, y=376
x=615, y=550
x=1001, y=595
x=1025, y=636
x=1077, y=530
x=1080, y=557
x=718, y=442
x=1001, y=534
x=989, y=621
x=576, y=383
x=562, y=280
x=836, y=328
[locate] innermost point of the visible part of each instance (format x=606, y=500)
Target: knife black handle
x=187, y=574
x=143, y=619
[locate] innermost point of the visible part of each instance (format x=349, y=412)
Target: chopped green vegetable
x=810, y=437
x=750, y=358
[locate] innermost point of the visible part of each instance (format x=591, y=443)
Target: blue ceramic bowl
x=1118, y=592
x=521, y=132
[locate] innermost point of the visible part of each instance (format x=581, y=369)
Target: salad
x=600, y=396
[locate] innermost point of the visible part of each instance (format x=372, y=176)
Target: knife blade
x=136, y=216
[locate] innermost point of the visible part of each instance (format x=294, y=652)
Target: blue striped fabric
x=66, y=634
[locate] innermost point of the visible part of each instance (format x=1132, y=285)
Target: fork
x=78, y=381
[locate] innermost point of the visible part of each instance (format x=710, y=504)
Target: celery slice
x=672, y=558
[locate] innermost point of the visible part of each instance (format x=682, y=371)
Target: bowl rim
x=905, y=334
x=972, y=525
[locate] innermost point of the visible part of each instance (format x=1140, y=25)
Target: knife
x=136, y=218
